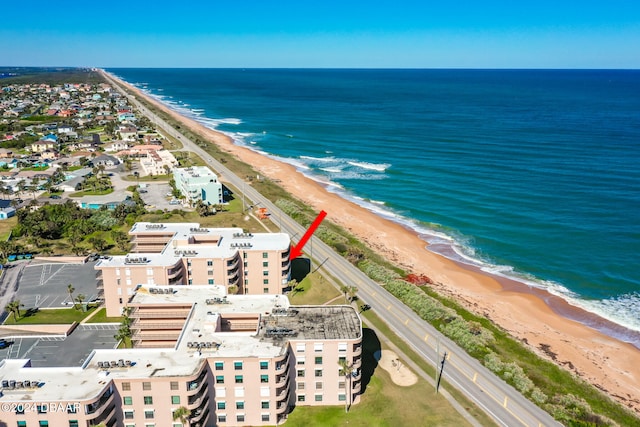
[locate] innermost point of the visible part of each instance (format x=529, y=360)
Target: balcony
x=357, y=349
x=196, y=399
x=357, y=362
x=149, y=326
x=166, y=336
x=174, y=273
x=145, y=314
x=98, y=406
x=199, y=417
x=282, y=380
x=281, y=408
x=232, y=263
x=108, y=414
x=234, y=280
x=285, y=255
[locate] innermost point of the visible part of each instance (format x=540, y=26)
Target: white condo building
x=198, y=183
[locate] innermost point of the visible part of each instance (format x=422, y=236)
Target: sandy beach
x=532, y=316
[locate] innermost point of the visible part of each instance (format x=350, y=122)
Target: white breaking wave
x=380, y=167
x=319, y=159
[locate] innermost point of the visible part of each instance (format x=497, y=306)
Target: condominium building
x=223, y=360
x=177, y=254
x=198, y=183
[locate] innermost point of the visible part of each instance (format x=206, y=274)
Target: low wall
x=65, y=259
x=36, y=330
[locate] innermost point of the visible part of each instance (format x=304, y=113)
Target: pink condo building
x=187, y=254
x=229, y=360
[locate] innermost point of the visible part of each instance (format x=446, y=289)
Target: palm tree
x=80, y=298
x=14, y=308
x=346, y=370
x=181, y=414
x=71, y=290
x=349, y=292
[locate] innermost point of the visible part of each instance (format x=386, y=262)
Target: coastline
x=530, y=314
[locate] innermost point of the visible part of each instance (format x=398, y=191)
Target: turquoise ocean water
x=530, y=174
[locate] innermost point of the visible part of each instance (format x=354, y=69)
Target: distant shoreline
x=530, y=314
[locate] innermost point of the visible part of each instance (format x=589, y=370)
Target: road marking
x=406, y=322
x=389, y=307
x=475, y=377
x=426, y=338
x=505, y=401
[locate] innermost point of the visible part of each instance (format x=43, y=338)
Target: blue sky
x=283, y=33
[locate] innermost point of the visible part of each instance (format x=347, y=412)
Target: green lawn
x=383, y=403
x=314, y=289
x=91, y=193
x=6, y=226
x=49, y=317
x=101, y=317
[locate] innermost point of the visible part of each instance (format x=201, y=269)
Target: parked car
x=55, y=196
x=4, y=343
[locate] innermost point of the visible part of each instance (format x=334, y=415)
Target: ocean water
x=531, y=174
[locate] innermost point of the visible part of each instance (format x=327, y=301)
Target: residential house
x=128, y=132
x=6, y=210
x=116, y=146
x=158, y=162
x=43, y=145
x=105, y=160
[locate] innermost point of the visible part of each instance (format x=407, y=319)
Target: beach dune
x=543, y=322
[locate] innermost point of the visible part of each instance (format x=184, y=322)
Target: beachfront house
x=198, y=183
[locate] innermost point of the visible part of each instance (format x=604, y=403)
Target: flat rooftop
x=267, y=323
x=189, y=240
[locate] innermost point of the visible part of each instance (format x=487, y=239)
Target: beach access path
x=499, y=400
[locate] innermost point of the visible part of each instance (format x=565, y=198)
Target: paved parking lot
x=44, y=285
x=155, y=194
x=59, y=351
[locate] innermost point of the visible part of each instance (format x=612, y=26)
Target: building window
x=146, y=385
x=265, y=290
x=318, y=372
x=240, y=418
x=265, y=264
x=342, y=346
x=148, y=400
x=22, y=424
x=318, y=385
x=264, y=378
x=72, y=409
x=210, y=281
x=239, y=379
x=43, y=423
x=219, y=379
x=342, y=397
x=127, y=400
x=301, y=398
x=42, y=409
x=265, y=254
x=264, y=365
x=265, y=273
x=175, y=400
x=300, y=347
x=342, y=359
x=190, y=281
x=341, y=385
x=318, y=398
x=300, y=386
x=265, y=404
x=237, y=366
x=209, y=263
x=300, y=373
x=318, y=360
x=222, y=418
x=128, y=415
x=175, y=385
x=318, y=347
x=239, y=405
x=219, y=366
x=74, y=423
x=209, y=272
x=300, y=360
x=148, y=415
x=265, y=417
x=265, y=282
x=222, y=405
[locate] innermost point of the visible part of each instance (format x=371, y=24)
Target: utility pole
x=444, y=358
